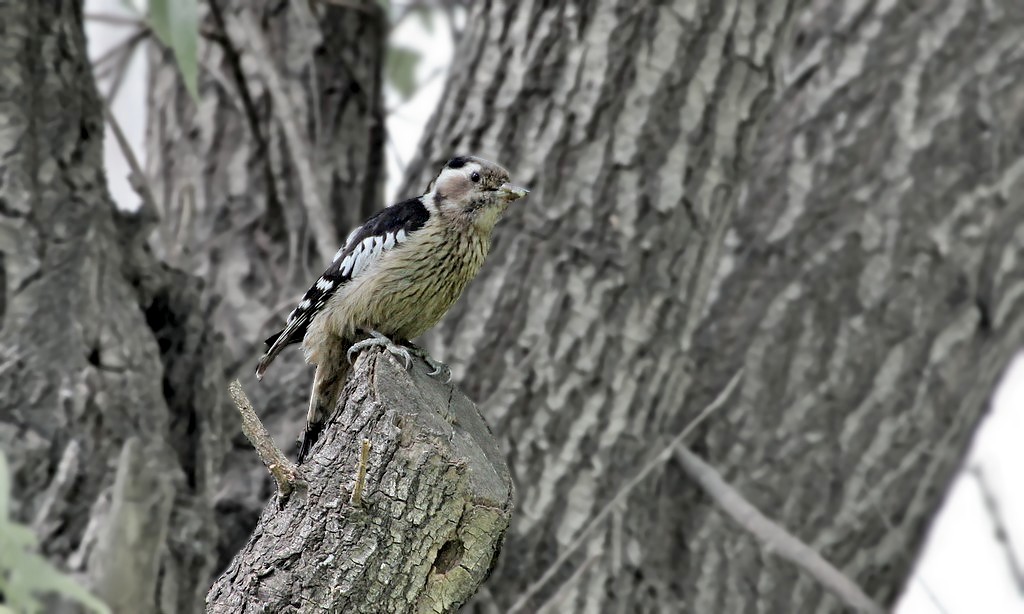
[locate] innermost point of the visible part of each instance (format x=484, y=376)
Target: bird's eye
x=475, y=177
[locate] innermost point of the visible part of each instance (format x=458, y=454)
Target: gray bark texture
x=432, y=516
x=825, y=194
x=261, y=181
x=112, y=377
x=114, y=457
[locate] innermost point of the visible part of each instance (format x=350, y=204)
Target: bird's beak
x=511, y=192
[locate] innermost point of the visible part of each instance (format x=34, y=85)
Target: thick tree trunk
x=114, y=462
x=436, y=498
x=826, y=196
x=261, y=181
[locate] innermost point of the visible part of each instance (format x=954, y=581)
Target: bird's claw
x=405, y=353
x=380, y=340
x=436, y=366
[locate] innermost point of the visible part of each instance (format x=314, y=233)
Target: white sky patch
x=962, y=564
x=407, y=119
x=130, y=105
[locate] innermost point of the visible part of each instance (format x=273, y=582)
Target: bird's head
x=473, y=190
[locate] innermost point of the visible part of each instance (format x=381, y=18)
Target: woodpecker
x=395, y=277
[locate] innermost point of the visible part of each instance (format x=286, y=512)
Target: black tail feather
x=328, y=383
x=309, y=437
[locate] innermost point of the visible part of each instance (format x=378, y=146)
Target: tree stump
x=425, y=532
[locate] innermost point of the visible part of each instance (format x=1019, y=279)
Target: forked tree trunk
x=115, y=459
x=827, y=196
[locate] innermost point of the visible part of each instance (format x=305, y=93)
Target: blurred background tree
x=823, y=194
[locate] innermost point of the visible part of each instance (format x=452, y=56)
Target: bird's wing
x=381, y=232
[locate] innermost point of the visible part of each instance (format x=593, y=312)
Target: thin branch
x=773, y=536
x=995, y=514
x=284, y=472
x=554, y=604
x=118, y=51
x=121, y=69
x=186, y=211
x=289, y=115
x=359, y=5
x=137, y=179
x=434, y=74
x=116, y=20
x=660, y=459
x=917, y=577
x=56, y=493
x=394, y=152
x=364, y=459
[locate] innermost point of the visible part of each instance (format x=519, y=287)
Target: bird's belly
x=403, y=298
x=407, y=303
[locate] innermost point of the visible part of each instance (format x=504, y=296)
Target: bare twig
x=359, y=5
x=57, y=491
x=440, y=71
x=660, y=459
x=308, y=18
x=781, y=541
x=302, y=155
x=395, y=152
x=186, y=210
x=105, y=64
x=555, y=603
x=917, y=577
x=137, y=179
x=364, y=458
x=121, y=69
x=284, y=472
x=995, y=514
x=116, y=20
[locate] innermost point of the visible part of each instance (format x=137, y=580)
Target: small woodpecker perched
x=394, y=278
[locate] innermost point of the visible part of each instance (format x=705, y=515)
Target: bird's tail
x=275, y=343
x=331, y=374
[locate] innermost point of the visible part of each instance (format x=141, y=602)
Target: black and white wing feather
x=381, y=232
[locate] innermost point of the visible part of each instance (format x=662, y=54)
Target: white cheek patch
x=454, y=183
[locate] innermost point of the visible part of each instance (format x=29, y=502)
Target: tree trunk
x=114, y=462
x=434, y=503
x=260, y=183
x=827, y=196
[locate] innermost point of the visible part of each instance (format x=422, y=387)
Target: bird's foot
x=436, y=366
x=380, y=340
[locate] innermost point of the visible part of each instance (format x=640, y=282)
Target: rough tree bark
x=114, y=463
x=289, y=131
x=426, y=530
x=825, y=194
